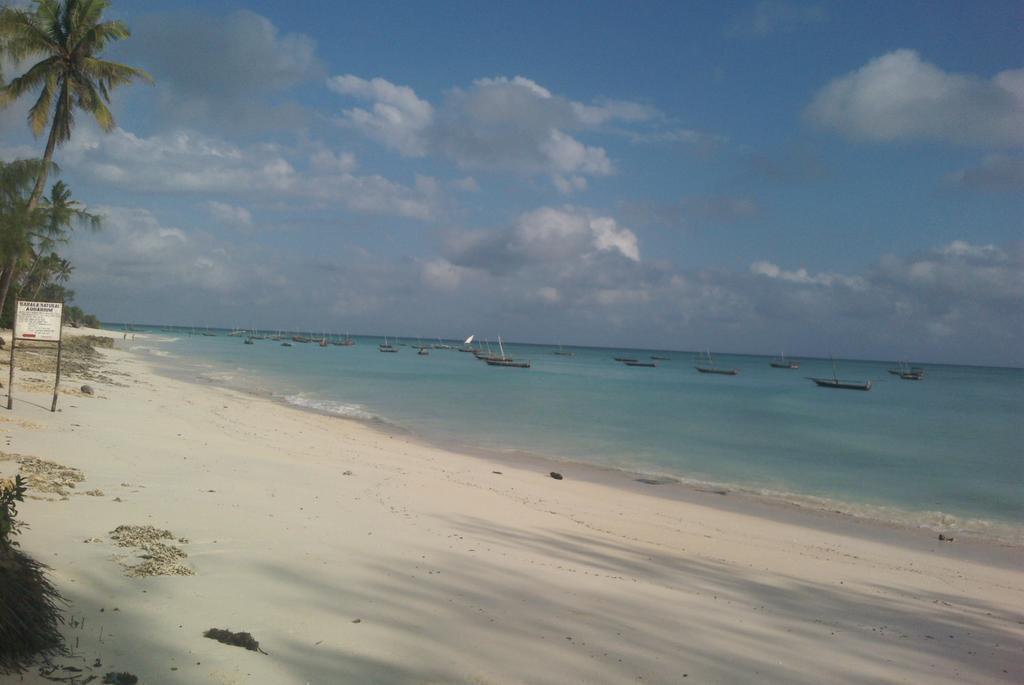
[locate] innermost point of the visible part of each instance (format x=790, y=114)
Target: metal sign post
x=40, y=322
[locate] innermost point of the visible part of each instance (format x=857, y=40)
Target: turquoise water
x=944, y=452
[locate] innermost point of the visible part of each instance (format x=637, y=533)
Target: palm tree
x=59, y=214
x=69, y=35
x=18, y=223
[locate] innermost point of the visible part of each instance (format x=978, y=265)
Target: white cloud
x=497, y=124
x=397, y=118
x=327, y=161
x=898, y=96
x=185, y=161
x=564, y=237
x=229, y=214
x=442, y=274
x=135, y=251
x=804, y=277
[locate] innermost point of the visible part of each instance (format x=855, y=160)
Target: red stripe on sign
x=28, y=335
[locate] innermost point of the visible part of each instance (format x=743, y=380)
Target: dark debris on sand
x=235, y=639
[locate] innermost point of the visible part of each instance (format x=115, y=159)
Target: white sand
x=460, y=575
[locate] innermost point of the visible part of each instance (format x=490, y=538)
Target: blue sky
x=818, y=177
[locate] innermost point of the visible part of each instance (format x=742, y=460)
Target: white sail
x=469, y=340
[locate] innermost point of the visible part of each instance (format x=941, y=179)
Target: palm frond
x=37, y=74
x=89, y=100
x=23, y=34
x=113, y=74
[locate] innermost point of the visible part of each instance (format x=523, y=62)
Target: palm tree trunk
x=33, y=201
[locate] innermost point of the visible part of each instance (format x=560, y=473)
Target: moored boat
x=708, y=366
x=783, y=363
x=638, y=363
x=504, y=360
x=840, y=384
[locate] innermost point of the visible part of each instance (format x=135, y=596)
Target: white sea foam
x=351, y=411
x=217, y=376
x=156, y=352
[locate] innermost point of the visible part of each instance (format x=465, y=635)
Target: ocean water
x=945, y=452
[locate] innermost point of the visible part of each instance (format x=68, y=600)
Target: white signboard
x=38, y=321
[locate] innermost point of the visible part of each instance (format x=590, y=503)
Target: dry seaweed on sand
x=79, y=358
x=159, y=558
x=45, y=476
x=30, y=614
x=236, y=639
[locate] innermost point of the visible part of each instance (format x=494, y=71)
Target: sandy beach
x=355, y=555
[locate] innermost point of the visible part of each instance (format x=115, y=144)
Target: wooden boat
x=300, y=339
x=708, y=366
x=908, y=372
x=386, y=347
x=625, y=359
x=506, y=361
x=651, y=364
x=721, y=372
x=783, y=363
x=484, y=355
x=840, y=384
x=347, y=342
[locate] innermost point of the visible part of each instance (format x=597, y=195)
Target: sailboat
x=386, y=347
x=562, y=353
x=708, y=366
x=485, y=355
x=468, y=345
x=783, y=363
x=907, y=372
x=840, y=384
x=506, y=361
